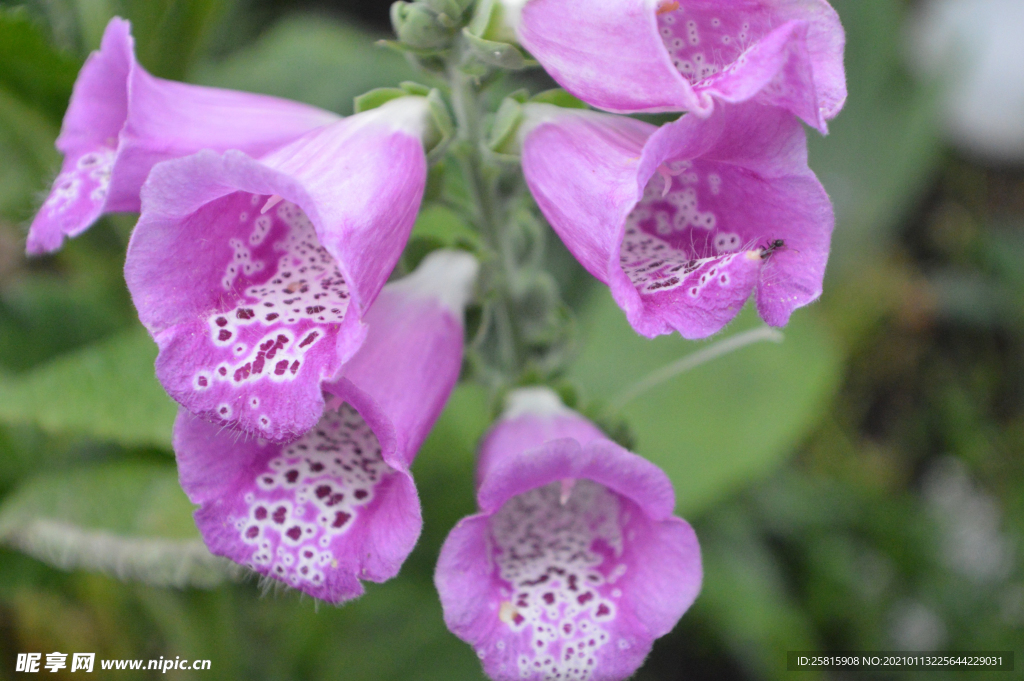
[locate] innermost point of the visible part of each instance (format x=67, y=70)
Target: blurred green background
x=859, y=486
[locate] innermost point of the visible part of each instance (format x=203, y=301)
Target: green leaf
x=129, y=520
x=321, y=62
x=719, y=425
x=31, y=68
x=746, y=600
x=26, y=147
x=169, y=34
x=106, y=391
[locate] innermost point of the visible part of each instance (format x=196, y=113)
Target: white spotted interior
x=310, y=494
x=560, y=562
x=704, y=39
x=673, y=239
x=293, y=294
x=90, y=176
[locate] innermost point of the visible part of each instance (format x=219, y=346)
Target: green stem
x=468, y=151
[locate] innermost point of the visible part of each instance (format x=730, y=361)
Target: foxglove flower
x=253, y=276
x=338, y=504
x=631, y=56
x=121, y=121
x=685, y=221
x=575, y=563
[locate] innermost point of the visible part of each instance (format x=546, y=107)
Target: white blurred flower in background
x=976, y=50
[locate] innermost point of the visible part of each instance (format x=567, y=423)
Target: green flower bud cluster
x=428, y=24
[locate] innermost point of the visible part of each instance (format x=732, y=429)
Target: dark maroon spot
x=266, y=345
x=295, y=367
x=307, y=553
x=257, y=364
x=361, y=494
x=340, y=518
x=268, y=305
x=603, y=610
x=335, y=498
x=316, y=467
x=242, y=373
x=252, y=532
x=272, y=316
x=224, y=411
x=549, y=598
x=268, y=480
x=572, y=583
x=322, y=491
x=585, y=598
x=222, y=371
x=280, y=513
x=517, y=618
x=260, y=513
x=294, y=533
x=567, y=628
x=304, y=570
x=222, y=321
x=308, y=339
x=314, y=309
x=291, y=476
x=245, y=313
x=281, y=367
x=224, y=335
x=202, y=382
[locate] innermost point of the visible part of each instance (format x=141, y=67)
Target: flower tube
x=253, y=276
x=575, y=563
x=629, y=56
x=338, y=505
x=121, y=121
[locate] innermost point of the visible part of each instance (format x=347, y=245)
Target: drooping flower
x=338, y=504
x=253, y=276
x=685, y=221
x=631, y=56
x=575, y=563
x=121, y=121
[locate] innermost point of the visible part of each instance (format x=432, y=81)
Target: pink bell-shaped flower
x=685, y=221
x=575, y=563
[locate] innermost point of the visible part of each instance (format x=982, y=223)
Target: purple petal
x=410, y=362
x=253, y=310
x=679, y=224
x=608, y=54
x=634, y=55
x=121, y=121
x=574, y=568
x=318, y=514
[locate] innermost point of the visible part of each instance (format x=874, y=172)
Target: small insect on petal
x=667, y=7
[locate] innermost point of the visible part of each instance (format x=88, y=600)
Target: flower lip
x=318, y=514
